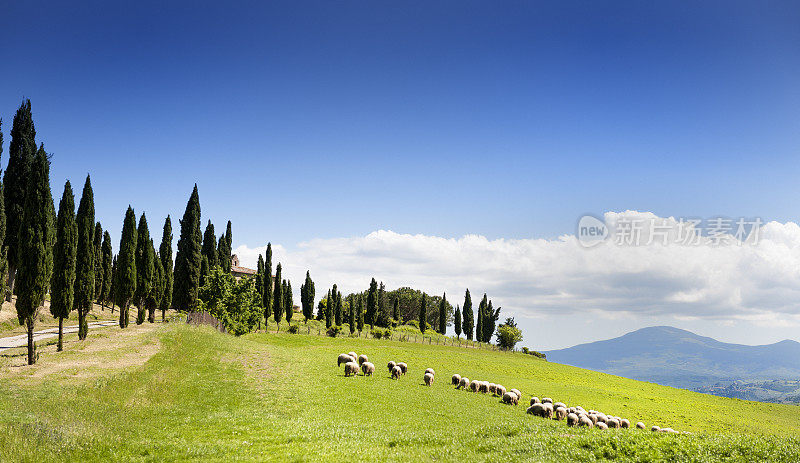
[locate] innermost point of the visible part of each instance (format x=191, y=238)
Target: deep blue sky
x=324, y=119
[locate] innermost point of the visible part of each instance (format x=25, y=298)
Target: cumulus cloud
x=756, y=281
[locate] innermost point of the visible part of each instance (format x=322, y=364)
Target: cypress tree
x=210, y=247
x=360, y=314
x=157, y=288
x=228, y=244
x=466, y=314
x=21, y=154
x=490, y=322
x=62, y=283
x=34, y=236
x=382, y=315
x=307, y=297
x=396, y=310
x=351, y=319
x=144, y=268
x=457, y=322
x=423, y=313
x=289, y=302
x=328, y=310
x=98, y=261
x=3, y=250
x=84, y=259
x=277, y=300
x=443, y=314
x=269, y=287
x=224, y=251
x=111, y=292
x=337, y=309
x=260, y=280
x=481, y=318
x=165, y=255
x=372, y=302
x=107, y=264
x=204, y=271
x=188, y=258
x=339, y=306
x=125, y=283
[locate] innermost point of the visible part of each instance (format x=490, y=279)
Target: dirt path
x=21, y=340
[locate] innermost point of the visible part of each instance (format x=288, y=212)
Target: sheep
x=559, y=404
x=516, y=391
x=593, y=417
x=601, y=417
x=578, y=408
x=602, y=426
x=655, y=428
x=549, y=410
x=391, y=365
x=612, y=423
x=624, y=423
x=535, y=410
x=535, y=400
x=584, y=421
x=669, y=431
x=455, y=379
x=483, y=387
x=640, y=425
x=492, y=386
x=560, y=413
x=572, y=420
x=362, y=358
x=547, y=400
x=353, y=354
x=403, y=367
x=463, y=383
x=396, y=372
x=428, y=378
x=344, y=358
x=430, y=370
x=350, y=369
x=510, y=398
x=473, y=386
x=499, y=390
x=367, y=368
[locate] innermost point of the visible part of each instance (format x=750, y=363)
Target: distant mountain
x=680, y=358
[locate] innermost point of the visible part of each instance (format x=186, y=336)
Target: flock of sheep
x=544, y=408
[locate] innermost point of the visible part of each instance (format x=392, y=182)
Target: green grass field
x=187, y=393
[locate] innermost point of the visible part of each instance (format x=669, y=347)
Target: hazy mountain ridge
x=680, y=358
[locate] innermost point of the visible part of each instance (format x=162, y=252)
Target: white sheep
x=430, y=370
x=344, y=358
x=492, y=387
x=547, y=400
x=602, y=426
x=624, y=423
x=640, y=425
x=655, y=428
x=403, y=367
x=499, y=390
x=483, y=387
x=535, y=400
x=455, y=379
x=584, y=421
x=367, y=368
x=463, y=383
x=510, y=398
x=390, y=365
x=473, y=386
x=572, y=419
x=516, y=391
x=350, y=369
x=559, y=404
x=560, y=413
x=428, y=378
x=362, y=358
x=353, y=354
x=612, y=423
x=396, y=372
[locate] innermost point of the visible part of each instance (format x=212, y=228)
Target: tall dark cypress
x=224, y=250
x=165, y=254
x=443, y=314
x=329, y=310
x=125, y=282
x=21, y=154
x=228, y=244
x=112, y=299
x=157, y=285
x=372, y=302
x=466, y=314
x=423, y=313
x=84, y=260
x=3, y=250
x=490, y=322
x=307, y=297
x=188, y=258
x=337, y=313
x=269, y=286
x=339, y=306
x=97, y=243
x=351, y=319
x=288, y=301
x=107, y=256
x=204, y=271
x=210, y=245
x=34, y=237
x=62, y=282
x=481, y=318
x=277, y=299
x=360, y=314
x=396, y=310
x=260, y=280
x=144, y=269
x=457, y=322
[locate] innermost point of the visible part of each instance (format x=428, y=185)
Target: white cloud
x=538, y=278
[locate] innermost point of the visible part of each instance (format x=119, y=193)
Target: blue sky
x=319, y=120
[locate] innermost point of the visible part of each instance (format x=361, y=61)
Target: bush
x=387, y=334
x=333, y=331
x=413, y=323
x=378, y=333
x=294, y=329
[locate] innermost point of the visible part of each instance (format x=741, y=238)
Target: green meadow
x=174, y=392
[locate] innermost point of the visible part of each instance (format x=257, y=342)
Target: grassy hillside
x=191, y=393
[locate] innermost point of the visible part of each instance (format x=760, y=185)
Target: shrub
x=333, y=331
x=378, y=333
x=387, y=334
x=294, y=329
x=413, y=323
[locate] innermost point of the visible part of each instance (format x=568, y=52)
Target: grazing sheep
x=593, y=417
x=492, y=386
x=578, y=408
x=572, y=419
x=535, y=400
x=612, y=423
x=559, y=404
x=602, y=426
x=362, y=358
x=499, y=390
x=396, y=372
x=350, y=369
x=584, y=421
x=353, y=354
x=547, y=400
x=640, y=425
x=655, y=428
x=430, y=370
x=669, y=431
x=535, y=410
x=367, y=368
x=601, y=417
x=344, y=358
x=510, y=398
x=455, y=379
x=483, y=387
x=560, y=413
x=624, y=423
x=473, y=386
x=463, y=383
x=403, y=367
x=516, y=391
x=391, y=365
x=428, y=378
x=548, y=408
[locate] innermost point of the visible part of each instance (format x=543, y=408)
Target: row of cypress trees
x=487, y=319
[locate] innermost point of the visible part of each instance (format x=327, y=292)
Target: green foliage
x=157, y=289
x=63, y=278
x=277, y=297
x=333, y=331
x=307, y=297
x=466, y=314
x=125, y=281
x=351, y=314
x=209, y=250
x=165, y=254
x=423, y=308
x=396, y=310
x=481, y=317
x=372, y=302
x=443, y=314
x=107, y=267
x=457, y=322
x=329, y=303
x=288, y=300
x=508, y=335
x=322, y=308
x=188, y=257
x=382, y=312
x=360, y=313
x=3, y=249
x=98, y=261
x=224, y=250
x=490, y=320
x=234, y=303
x=293, y=329
x=144, y=268
x=260, y=279
x=84, y=259
x=379, y=333
x=269, y=285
